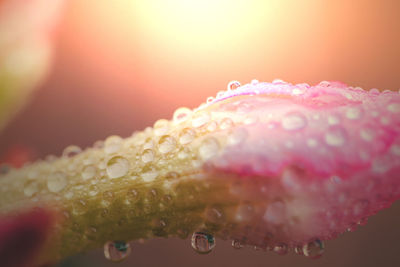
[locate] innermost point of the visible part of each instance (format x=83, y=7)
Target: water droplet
x=311, y=142
x=208, y=148
x=31, y=188
x=353, y=113
x=71, y=151
x=360, y=207
x=275, y=213
x=236, y=244
x=314, y=249
x=299, y=250
x=57, y=182
x=232, y=85
x=212, y=126
x=335, y=136
x=147, y=155
x=200, y=119
x=333, y=119
x=112, y=144
x=93, y=190
x=99, y=144
x=117, y=167
x=394, y=107
x=160, y=127
x=254, y=82
x=88, y=172
x=186, y=136
x=79, y=207
x=172, y=175
x=367, y=134
x=210, y=100
x=226, y=123
x=181, y=115
x=166, y=144
x=203, y=243
x=116, y=250
x=281, y=249
x=293, y=121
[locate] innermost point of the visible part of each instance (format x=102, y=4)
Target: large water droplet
x=147, y=155
x=314, y=249
x=166, y=144
x=88, y=172
x=202, y=243
x=71, y=151
x=160, y=127
x=293, y=121
x=117, y=167
x=232, y=85
x=200, y=119
x=335, y=136
x=116, y=250
x=186, y=136
x=57, y=182
x=112, y=144
x=181, y=115
x=208, y=148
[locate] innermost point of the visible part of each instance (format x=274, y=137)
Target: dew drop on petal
x=147, y=155
x=112, y=144
x=202, y=243
x=30, y=189
x=367, y=134
x=394, y=107
x=200, y=119
x=314, y=249
x=226, y=123
x=166, y=144
x=181, y=115
x=116, y=250
x=71, y=151
x=232, y=85
x=294, y=121
x=56, y=182
x=281, y=249
x=208, y=148
x=210, y=100
x=186, y=136
x=353, y=113
x=212, y=126
x=88, y=172
x=117, y=167
x=335, y=136
x=160, y=127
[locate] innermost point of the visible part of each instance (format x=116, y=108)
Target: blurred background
x=94, y=68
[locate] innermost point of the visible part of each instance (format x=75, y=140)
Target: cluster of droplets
x=203, y=243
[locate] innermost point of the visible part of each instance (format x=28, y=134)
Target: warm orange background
x=122, y=64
